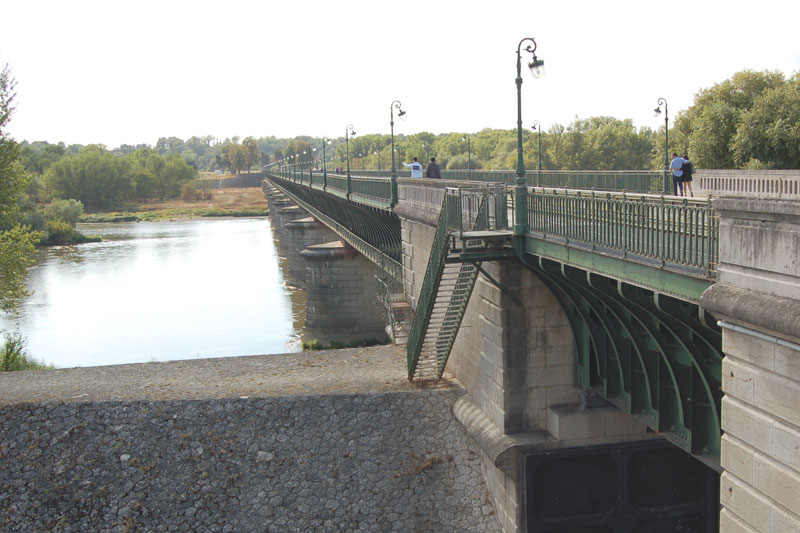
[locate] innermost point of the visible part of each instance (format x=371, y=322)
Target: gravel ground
x=348, y=371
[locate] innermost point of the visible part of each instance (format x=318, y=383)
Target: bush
x=13, y=357
x=66, y=210
x=190, y=193
x=61, y=232
x=33, y=218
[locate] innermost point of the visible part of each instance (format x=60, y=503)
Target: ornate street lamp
x=348, y=132
x=400, y=114
x=657, y=111
x=537, y=127
x=379, y=158
x=520, y=188
x=469, y=153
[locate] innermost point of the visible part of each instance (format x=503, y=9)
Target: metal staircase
x=450, y=277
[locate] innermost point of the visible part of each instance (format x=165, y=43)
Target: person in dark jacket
x=686, y=179
x=432, y=170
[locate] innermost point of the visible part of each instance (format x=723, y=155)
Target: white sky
x=116, y=72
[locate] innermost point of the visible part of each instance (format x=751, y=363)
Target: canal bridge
x=586, y=309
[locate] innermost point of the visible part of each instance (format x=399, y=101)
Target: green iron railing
x=669, y=229
x=636, y=181
x=672, y=230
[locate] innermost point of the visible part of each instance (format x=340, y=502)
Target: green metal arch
x=619, y=329
x=604, y=306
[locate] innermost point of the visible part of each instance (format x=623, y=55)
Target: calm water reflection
x=158, y=291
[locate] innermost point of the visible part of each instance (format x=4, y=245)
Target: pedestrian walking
x=432, y=170
x=416, y=168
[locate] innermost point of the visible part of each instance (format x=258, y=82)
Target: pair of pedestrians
x=431, y=171
x=682, y=170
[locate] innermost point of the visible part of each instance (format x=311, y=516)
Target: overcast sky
x=115, y=72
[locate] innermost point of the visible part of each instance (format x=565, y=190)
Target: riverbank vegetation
x=14, y=356
x=314, y=345
x=227, y=202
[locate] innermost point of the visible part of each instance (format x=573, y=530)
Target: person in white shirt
x=416, y=168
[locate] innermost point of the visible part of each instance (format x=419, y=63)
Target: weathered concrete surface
x=330, y=441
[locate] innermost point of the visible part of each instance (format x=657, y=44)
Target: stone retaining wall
x=373, y=462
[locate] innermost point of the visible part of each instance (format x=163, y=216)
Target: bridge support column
x=757, y=300
x=301, y=234
x=281, y=217
x=516, y=360
x=341, y=305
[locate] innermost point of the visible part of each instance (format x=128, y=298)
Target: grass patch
x=233, y=202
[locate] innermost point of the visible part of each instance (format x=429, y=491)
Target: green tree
x=769, y=132
x=94, y=176
x=67, y=210
x=16, y=241
x=707, y=129
x=252, y=155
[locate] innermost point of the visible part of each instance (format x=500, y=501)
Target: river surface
x=158, y=291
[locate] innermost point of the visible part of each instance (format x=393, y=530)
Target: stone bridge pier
x=515, y=356
x=757, y=300
x=341, y=305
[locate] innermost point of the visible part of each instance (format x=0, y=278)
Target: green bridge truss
x=628, y=270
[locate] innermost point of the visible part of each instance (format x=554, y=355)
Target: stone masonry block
x=737, y=458
x=786, y=446
x=738, y=379
x=748, y=504
x=730, y=523
x=747, y=424
x=784, y=522
x=563, y=395
x=619, y=423
x=490, y=311
x=554, y=376
x=778, y=395
x=568, y=422
x=752, y=350
x=777, y=482
x=787, y=362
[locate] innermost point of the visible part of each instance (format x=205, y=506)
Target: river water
x=159, y=291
